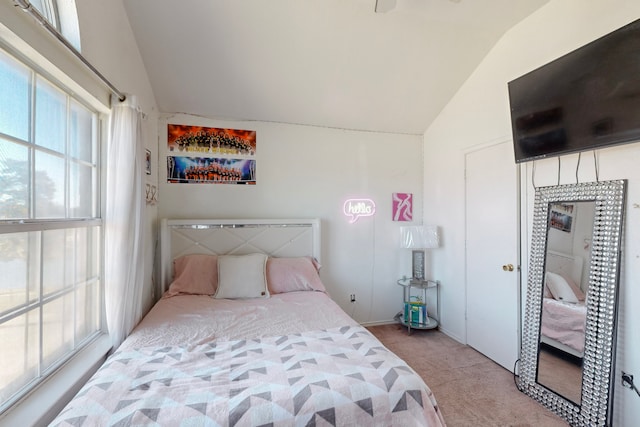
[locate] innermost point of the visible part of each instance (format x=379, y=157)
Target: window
x=50, y=227
x=63, y=16
x=48, y=9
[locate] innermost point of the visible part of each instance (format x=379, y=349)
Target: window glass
x=80, y=255
x=20, y=352
x=14, y=102
x=62, y=15
x=57, y=329
x=48, y=9
x=14, y=180
x=81, y=144
x=20, y=267
x=87, y=318
x=81, y=191
x=14, y=266
x=70, y=257
x=68, y=17
x=94, y=254
x=49, y=186
x=39, y=4
x=51, y=112
x=53, y=260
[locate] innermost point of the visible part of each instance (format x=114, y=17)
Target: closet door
x=492, y=273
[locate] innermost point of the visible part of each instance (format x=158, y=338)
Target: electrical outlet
x=353, y=297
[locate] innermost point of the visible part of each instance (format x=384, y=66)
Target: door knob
x=508, y=267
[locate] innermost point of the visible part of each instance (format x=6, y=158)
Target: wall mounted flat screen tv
x=584, y=100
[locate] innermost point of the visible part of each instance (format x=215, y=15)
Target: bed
x=564, y=311
x=279, y=352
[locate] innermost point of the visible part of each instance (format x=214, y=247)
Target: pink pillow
x=195, y=274
x=293, y=274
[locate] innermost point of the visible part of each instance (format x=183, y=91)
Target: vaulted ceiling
x=332, y=63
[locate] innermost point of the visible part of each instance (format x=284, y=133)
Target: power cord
x=515, y=377
x=627, y=381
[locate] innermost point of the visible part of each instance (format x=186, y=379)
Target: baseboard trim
x=391, y=322
x=378, y=323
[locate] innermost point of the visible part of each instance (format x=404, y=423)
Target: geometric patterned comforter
x=336, y=377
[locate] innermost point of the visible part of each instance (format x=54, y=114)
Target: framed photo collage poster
x=204, y=155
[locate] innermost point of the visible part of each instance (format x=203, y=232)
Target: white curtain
x=124, y=216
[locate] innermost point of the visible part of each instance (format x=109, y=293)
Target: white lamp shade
x=419, y=237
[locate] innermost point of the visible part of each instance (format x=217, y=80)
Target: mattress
x=292, y=359
x=190, y=320
x=565, y=323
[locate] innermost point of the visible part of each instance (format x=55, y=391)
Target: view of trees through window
x=50, y=227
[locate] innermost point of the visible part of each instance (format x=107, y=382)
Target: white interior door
x=491, y=248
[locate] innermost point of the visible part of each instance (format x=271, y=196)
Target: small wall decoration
x=148, y=162
x=355, y=208
x=402, y=207
x=561, y=217
x=151, y=194
x=210, y=155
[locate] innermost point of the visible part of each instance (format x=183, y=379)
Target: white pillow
x=559, y=288
x=242, y=276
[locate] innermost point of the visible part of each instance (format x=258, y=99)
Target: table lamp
x=418, y=238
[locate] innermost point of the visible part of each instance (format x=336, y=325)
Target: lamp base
x=417, y=264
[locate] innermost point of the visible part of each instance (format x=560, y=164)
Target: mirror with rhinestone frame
x=588, y=400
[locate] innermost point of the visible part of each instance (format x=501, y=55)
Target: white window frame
x=45, y=395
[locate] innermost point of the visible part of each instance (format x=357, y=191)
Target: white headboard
x=566, y=264
x=273, y=237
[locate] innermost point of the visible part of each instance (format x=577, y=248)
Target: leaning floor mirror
x=569, y=333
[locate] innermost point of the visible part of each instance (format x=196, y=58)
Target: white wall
x=479, y=113
x=305, y=172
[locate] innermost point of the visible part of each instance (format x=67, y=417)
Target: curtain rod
x=28, y=8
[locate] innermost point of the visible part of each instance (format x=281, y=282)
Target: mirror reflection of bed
x=564, y=310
